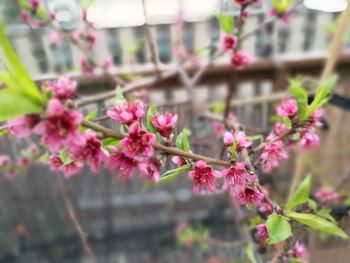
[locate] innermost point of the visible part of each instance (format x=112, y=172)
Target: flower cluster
x=31, y=16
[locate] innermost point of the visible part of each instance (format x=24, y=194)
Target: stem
x=160, y=147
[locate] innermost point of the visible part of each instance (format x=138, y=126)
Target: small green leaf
x=110, y=142
x=65, y=157
x=296, y=260
x=317, y=222
x=172, y=174
x=86, y=3
x=312, y=204
x=151, y=111
x=300, y=96
x=119, y=97
x=278, y=228
x=249, y=251
x=285, y=120
x=321, y=95
x=281, y=5
x=226, y=23
x=182, y=141
x=301, y=195
x=219, y=107
x=326, y=213
x=91, y=115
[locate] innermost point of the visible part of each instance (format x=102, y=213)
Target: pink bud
x=164, y=123
x=240, y=59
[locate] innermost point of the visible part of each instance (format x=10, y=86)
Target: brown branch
x=73, y=217
x=166, y=149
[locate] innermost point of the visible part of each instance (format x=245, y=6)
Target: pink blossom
x=35, y=4
x=69, y=170
x=309, y=141
x=2, y=86
x=119, y=161
x=288, y=108
x=4, y=160
x=108, y=63
x=64, y=88
x=21, y=126
x=86, y=66
x=138, y=141
x=280, y=128
x=249, y=195
x=26, y=18
x=228, y=42
x=55, y=37
x=33, y=149
x=60, y=128
x=299, y=251
x=204, y=176
x=23, y=161
x=272, y=154
x=240, y=59
x=178, y=160
x=90, y=152
x=150, y=169
x=265, y=209
x=261, y=233
x=218, y=128
x=282, y=15
x=236, y=177
x=316, y=118
x=326, y=195
x=127, y=112
x=240, y=137
x=164, y=123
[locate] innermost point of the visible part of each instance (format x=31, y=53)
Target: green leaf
x=301, y=195
x=151, y=111
x=326, y=213
x=285, y=120
x=281, y=5
x=321, y=95
x=219, y=107
x=249, y=251
x=172, y=174
x=119, y=97
x=300, y=96
x=110, y=142
x=226, y=23
x=312, y=204
x=296, y=260
x=65, y=157
x=182, y=141
x=317, y=222
x=278, y=228
x=91, y=115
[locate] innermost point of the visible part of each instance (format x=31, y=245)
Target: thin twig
x=73, y=217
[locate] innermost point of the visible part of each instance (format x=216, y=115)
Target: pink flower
x=21, y=126
x=35, y=4
x=90, y=152
x=138, y=141
x=282, y=15
x=150, y=169
x=249, y=195
x=240, y=59
x=55, y=37
x=178, y=160
x=218, y=128
x=261, y=233
x=288, y=108
x=164, y=123
x=86, y=66
x=326, y=195
x=23, y=161
x=108, y=63
x=64, y=88
x=236, y=177
x=60, y=128
x=309, y=141
x=299, y=251
x=265, y=209
x=33, y=149
x=317, y=117
x=4, y=160
x=273, y=152
x=127, y=112
x=228, y=42
x=204, y=176
x=119, y=161
x=69, y=170
x=240, y=137
x=26, y=18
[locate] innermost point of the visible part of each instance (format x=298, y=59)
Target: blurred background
x=133, y=221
